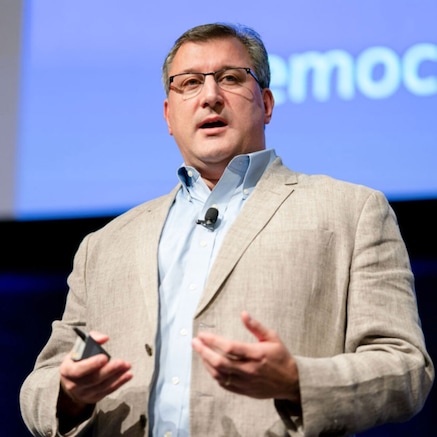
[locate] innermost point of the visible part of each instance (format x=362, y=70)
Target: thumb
x=257, y=329
x=99, y=337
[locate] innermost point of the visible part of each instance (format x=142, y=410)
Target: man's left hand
x=263, y=369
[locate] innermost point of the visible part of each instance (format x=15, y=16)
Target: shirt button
x=175, y=380
x=203, y=243
x=183, y=332
x=246, y=191
x=192, y=287
x=190, y=173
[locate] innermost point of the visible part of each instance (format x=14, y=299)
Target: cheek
x=175, y=123
x=251, y=111
x=176, y=116
x=250, y=119
x=179, y=127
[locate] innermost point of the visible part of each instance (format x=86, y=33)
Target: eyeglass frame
x=248, y=70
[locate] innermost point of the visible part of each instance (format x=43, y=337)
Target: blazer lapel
x=274, y=187
x=146, y=248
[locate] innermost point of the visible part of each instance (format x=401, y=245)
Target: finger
x=85, y=374
x=213, y=358
x=79, y=369
x=108, y=371
x=257, y=329
x=232, y=350
x=99, y=337
x=217, y=365
x=94, y=393
x=94, y=386
x=203, y=349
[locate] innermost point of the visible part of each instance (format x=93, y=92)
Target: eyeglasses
x=228, y=79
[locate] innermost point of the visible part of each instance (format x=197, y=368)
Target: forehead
x=210, y=55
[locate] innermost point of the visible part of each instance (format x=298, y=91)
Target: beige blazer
x=320, y=261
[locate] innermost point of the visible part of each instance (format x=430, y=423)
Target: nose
x=211, y=93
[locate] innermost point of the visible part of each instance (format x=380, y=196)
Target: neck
x=211, y=173
x=211, y=183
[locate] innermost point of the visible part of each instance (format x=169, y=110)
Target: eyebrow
x=192, y=70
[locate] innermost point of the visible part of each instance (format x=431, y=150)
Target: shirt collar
x=249, y=167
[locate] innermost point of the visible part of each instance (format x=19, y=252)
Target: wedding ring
x=228, y=380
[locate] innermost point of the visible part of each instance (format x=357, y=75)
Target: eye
x=191, y=81
x=231, y=77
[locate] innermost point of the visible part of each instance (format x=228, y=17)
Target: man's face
x=216, y=125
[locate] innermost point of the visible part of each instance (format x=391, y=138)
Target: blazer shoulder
x=323, y=182
x=156, y=208
x=322, y=188
x=330, y=183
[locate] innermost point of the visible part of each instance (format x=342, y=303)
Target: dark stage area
x=36, y=257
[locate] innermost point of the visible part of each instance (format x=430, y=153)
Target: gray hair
x=247, y=36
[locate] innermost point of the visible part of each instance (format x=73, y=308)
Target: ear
x=269, y=103
x=167, y=115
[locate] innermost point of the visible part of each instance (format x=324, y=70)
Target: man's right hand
x=85, y=382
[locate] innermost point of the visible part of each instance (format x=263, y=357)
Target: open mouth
x=213, y=124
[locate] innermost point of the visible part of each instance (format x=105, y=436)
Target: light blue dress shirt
x=186, y=253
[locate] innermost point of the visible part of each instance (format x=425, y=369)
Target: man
x=291, y=312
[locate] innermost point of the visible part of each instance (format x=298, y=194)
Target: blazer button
x=143, y=420
x=149, y=350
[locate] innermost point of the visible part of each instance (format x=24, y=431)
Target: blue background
x=92, y=135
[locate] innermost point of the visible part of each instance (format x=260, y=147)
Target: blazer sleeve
x=385, y=373
x=39, y=392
